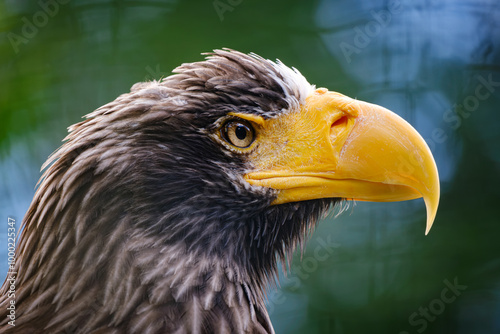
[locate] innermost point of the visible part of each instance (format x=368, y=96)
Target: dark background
x=429, y=61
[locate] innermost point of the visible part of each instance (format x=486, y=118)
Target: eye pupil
x=240, y=132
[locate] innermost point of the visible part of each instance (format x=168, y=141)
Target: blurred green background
x=371, y=270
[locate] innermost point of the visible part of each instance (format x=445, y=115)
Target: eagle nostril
x=342, y=121
x=339, y=128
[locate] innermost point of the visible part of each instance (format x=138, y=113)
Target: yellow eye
x=238, y=133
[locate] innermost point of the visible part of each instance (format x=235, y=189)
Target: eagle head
x=170, y=208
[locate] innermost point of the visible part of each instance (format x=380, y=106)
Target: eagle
x=170, y=209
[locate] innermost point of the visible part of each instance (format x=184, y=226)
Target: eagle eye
x=238, y=133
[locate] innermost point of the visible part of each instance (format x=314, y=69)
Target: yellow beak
x=336, y=146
